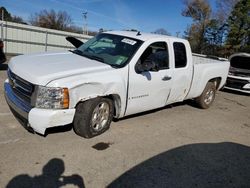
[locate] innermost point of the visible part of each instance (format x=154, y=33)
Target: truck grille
x=22, y=88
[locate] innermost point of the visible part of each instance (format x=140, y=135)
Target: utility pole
x=85, y=25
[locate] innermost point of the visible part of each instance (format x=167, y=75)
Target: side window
x=180, y=55
x=157, y=52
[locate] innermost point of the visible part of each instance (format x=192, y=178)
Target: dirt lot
x=178, y=146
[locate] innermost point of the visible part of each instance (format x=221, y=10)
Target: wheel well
x=116, y=101
x=117, y=104
x=216, y=82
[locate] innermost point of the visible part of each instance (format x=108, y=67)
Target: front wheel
x=93, y=117
x=207, y=97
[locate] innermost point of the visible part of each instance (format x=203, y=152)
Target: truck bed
x=201, y=59
x=207, y=67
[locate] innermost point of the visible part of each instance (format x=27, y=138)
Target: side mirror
x=77, y=43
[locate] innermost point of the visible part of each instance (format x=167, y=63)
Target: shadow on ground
x=222, y=165
x=51, y=177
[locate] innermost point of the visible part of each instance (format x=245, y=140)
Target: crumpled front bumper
x=34, y=118
x=236, y=83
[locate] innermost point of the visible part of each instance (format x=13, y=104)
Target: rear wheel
x=93, y=117
x=207, y=97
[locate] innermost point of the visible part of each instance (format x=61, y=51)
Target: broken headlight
x=52, y=97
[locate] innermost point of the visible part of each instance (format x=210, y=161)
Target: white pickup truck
x=114, y=74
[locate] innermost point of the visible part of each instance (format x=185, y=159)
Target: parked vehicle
x=114, y=74
x=239, y=73
x=2, y=55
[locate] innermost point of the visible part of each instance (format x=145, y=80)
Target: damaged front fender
x=112, y=84
x=93, y=90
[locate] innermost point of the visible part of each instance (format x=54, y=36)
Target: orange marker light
x=65, y=98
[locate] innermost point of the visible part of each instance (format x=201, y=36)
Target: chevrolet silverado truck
x=239, y=73
x=112, y=75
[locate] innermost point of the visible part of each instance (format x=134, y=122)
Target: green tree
x=216, y=32
x=224, y=9
x=6, y=14
x=238, y=38
x=8, y=17
x=215, y=36
x=200, y=12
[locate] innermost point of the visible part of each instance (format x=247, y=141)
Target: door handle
x=165, y=78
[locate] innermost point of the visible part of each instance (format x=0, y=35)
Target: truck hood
x=43, y=68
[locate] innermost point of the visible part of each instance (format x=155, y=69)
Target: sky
x=143, y=15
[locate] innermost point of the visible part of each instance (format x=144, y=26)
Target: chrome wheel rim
x=209, y=96
x=100, y=116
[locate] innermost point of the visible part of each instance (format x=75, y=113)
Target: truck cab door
x=150, y=79
x=182, y=71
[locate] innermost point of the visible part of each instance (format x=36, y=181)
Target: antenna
x=85, y=26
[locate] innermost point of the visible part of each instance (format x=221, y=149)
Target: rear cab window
x=180, y=55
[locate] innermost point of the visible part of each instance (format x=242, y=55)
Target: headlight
x=52, y=97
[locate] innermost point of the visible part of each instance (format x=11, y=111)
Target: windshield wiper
x=100, y=59
x=79, y=52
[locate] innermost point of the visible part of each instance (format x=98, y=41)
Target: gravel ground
x=177, y=146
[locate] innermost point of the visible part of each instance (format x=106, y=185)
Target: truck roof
x=142, y=36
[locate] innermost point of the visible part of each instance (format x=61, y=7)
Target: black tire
x=87, y=123
x=207, y=97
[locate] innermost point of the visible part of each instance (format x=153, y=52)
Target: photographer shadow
x=51, y=177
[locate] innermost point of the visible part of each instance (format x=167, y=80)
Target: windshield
x=111, y=49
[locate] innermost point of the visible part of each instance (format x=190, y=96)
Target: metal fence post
x=46, y=41
x=6, y=38
x=2, y=31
